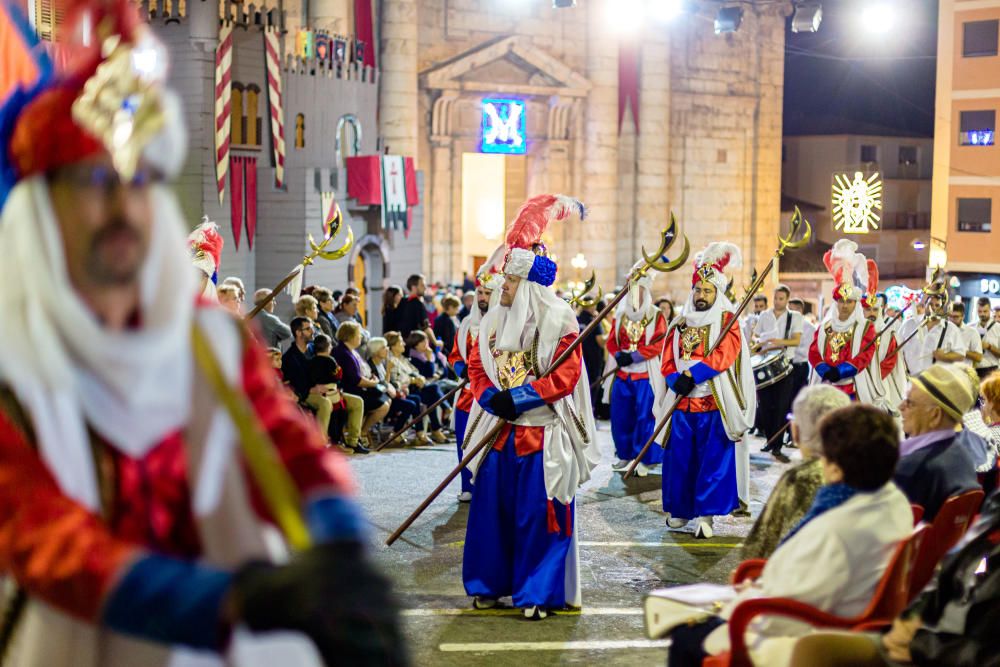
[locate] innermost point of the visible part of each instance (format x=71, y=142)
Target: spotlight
x=626, y=16
x=562, y=4
x=807, y=17
x=728, y=19
x=878, y=18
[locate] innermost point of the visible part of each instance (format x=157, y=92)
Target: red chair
x=890, y=598
x=918, y=513
x=948, y=527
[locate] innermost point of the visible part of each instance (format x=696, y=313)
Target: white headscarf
x=67, y=369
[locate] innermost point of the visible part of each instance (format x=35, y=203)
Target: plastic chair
x=918, y=513
x=890, y=598
x=948, y=527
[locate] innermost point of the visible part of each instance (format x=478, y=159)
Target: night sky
x=844, y=79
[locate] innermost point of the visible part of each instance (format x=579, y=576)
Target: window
x=976, y=128
x=869, y=153
x=300, y=130
x=979, y=38
x=236, y=115
x=907, y=155
x=253, y=116
x=974, y=215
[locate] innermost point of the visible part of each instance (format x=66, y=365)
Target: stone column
x=398, y=79
x=439, y=211
x=600, y=158
x=331, y=15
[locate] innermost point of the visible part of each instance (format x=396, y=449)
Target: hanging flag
x=250, y=177
x=223, y=105
x=629, y=71
x=272, y=57
x=394, y=193
x=236, y=199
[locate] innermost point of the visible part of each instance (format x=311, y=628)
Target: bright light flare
x=625, y=16
x=878, y=18
x=665, y=11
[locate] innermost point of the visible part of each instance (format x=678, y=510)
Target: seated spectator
x=984, y=421
x=358, y=379
x=325, y=371
x=356, y=293
x=951, y=624
x=403, y=373
x=324, y=300
x=229, y=297
x=295, y=369
x=446, y=325
x=430, y=363
x=930, y=469
x=307, y=306
x=272, y=329
x=390, y=308
x=348, y=311
x=835, y=556
x=468, y=303
x=402, y=407
x=794, y=493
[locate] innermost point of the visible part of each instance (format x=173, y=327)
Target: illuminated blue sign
x=977, y=138
x=503, y=126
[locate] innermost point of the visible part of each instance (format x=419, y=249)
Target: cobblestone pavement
x=625, y=552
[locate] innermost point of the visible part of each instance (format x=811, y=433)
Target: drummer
x=800, y=359
x=778, y=332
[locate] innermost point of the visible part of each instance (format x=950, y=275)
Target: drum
x=770, y=367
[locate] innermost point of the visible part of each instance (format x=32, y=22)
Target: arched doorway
x=367, y=272
x=359, y=282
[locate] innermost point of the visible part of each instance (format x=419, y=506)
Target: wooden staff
x=656, y=263
x=429, y=409
x=783, y=244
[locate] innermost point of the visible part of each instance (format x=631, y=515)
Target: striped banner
x=223, y=104
x=272, y=55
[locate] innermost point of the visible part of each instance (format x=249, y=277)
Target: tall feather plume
x=872, y=286
x=720, y=254
x=535, y=215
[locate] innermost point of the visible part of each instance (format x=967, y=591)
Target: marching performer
x=521, y=538
x=129, y=528
x=706, y=462
x=468, y=333
x=634, y=346
x=842, y=351
x=890, y=365
x=989, y=335
x=778, y=328
x=937, y=341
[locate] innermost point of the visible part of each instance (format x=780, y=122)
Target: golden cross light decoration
x=857, y=202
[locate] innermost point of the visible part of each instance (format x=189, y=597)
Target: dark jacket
x=324, y=370
x=390, y=320
x=328, y=323
x=411, y=315
x=445, y=329
x=295, y=369
x=960, y=609
x=931, y=475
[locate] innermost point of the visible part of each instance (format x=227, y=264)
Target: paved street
x=625, y=552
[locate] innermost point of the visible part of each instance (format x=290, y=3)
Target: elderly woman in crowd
x=794, y=493
x=359, y=379
x=402, y=407
x=324, y=316
x=307, y=306
x=984, y=423
x=433, y=366
x=835, y=556
x=404, y=373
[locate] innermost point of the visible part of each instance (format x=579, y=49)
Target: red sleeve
x=611, y=342
x=863, y=359
x=314, y=467
x=562, y=381
x=655, y=345
x=455, y=355
x=889, y=363
x=668, y=364
x=54, y=547
x=478, y=378
x=728, y=350
x=815, y=356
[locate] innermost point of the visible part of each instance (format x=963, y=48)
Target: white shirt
x=919, y=352
x=970, y=336
x=801, y=355
x=769, y=327
x=988, y=334
x=833, y=563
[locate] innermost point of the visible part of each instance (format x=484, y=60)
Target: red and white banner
x=272, y=57
x=223, y=104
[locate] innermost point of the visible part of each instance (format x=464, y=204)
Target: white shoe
x=703, y=528
x=465, y=496
x=676, y=523
x=480, y=602
x=535, y=613
x=641, y=470
x=621, y=465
